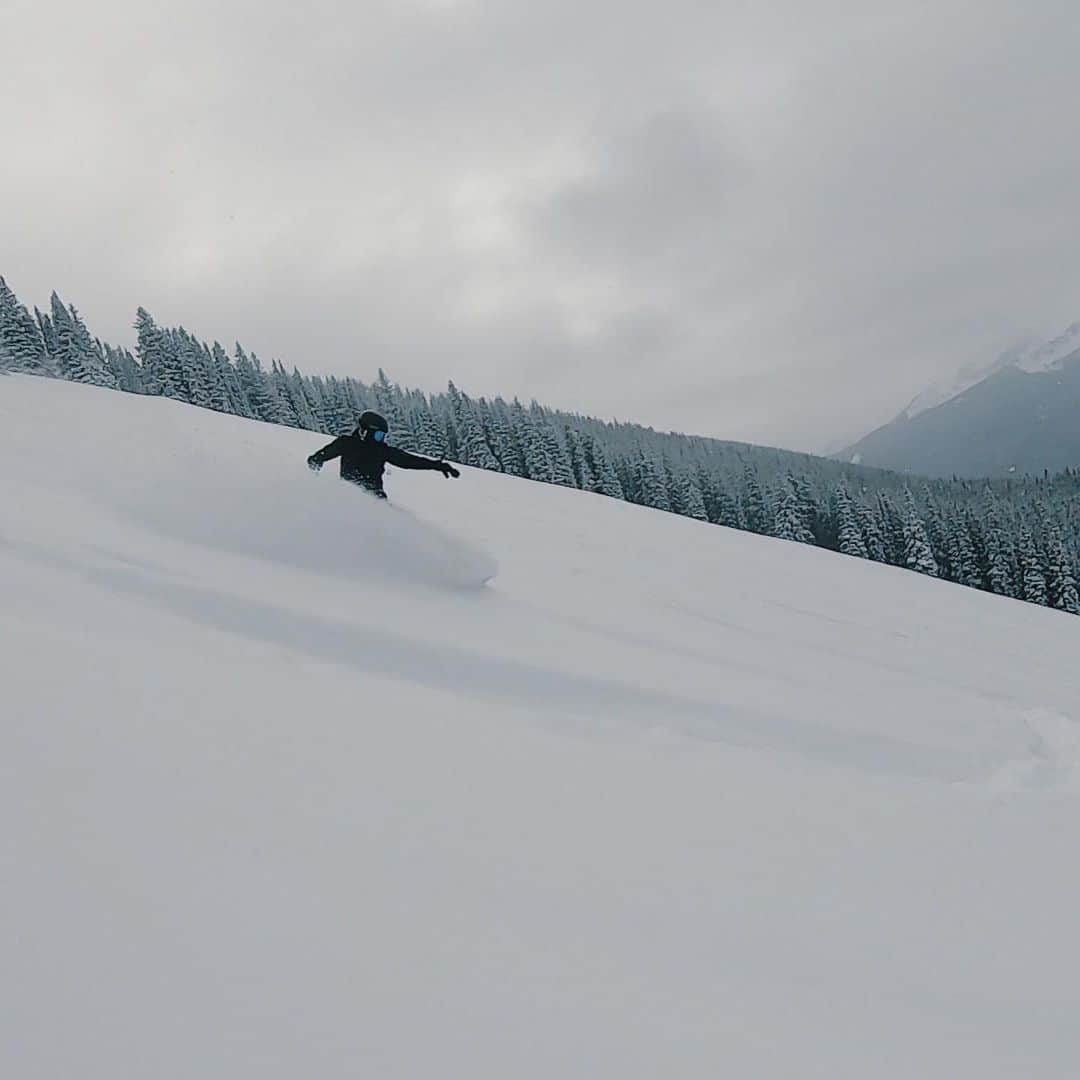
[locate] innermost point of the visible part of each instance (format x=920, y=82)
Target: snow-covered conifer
x=70, y=362
x=535, y=456
x=918, y=555
x=562, y=472
x=389, y=401
x=607, y=479
x=849, y=532
x=688, y=499
x=150, y=350
x=253, y=384
x=1060, y=577
x=652, y=483
x=579, y=459
x=429, y=439
x=872, y=532
x=963, y=564
x=48, y=335
x=472, y=446
x=504, y=439
x=753, y=502
x=1032, y=575
x=892, y=531
x=337, y=412
x=789, y=522
x=20, y=335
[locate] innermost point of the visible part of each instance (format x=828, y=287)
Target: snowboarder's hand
x=448, y=470
x=314, y=465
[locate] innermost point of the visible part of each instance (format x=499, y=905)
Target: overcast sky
x=772, y=221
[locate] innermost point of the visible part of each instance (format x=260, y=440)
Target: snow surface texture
x=289, y=792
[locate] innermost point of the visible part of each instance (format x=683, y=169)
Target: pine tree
x=729, y=512
x=339, y=414
x=388, y=401
x=489, y=431
x=315, y=391
x=48, y=336
x=607, y=479
x=92, y=349
x=651, y=486
x=789, y=521
x=253, y=383
x=849, y=533
x=808, y=507
x=687, y=499
x=538, y=464
x=584, y=477
x=994, y=548
x=519, y=437
x=936, y=533
x=229, y=379
x=220, y=398
x=72, y=357
x=20, y=336
x=562, y=472
x=429, y=439
x=753, y=502
x=504, y=440
x=893, y=534
x=173, y=379
x=66, y=358
x=963, y=563
x=472, y=447
x=304, y=398
x=872, y=533
x=124, y=370
x=1000, y=573
x=194, y=371
x=150, y=350
x=281, y=394
x=917, y=553
x=1032, y=576
x=1060, y=578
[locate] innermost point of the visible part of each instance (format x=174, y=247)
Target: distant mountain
x=1031, y=357
x=1020, y=414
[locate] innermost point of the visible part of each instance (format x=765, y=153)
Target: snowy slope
x=289, y=792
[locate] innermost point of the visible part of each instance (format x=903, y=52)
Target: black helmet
x=372, y=421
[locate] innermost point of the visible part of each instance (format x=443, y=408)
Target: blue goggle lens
x=379, y=436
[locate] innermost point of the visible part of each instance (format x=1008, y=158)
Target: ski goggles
x=379, y=436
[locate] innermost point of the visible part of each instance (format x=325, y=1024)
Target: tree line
x=1018, y=538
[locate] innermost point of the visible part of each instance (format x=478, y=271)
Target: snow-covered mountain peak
x=1046, y=356
x=1030, y=356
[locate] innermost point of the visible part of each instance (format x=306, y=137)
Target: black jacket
x=363, y=460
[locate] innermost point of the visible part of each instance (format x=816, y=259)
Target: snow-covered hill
x=289, y=791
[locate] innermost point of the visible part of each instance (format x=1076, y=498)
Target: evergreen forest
x=1018, y=537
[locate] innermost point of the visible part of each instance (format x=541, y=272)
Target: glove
x=448, y=470
x=314, y=465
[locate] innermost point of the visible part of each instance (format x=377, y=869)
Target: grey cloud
x=658, y=192
x=773, y=222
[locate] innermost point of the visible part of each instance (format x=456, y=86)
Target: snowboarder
x=365, y=453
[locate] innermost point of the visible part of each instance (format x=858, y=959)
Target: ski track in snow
x=305, y=784
x=1053, y=759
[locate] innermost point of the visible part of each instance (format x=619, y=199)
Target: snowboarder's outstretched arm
x=327, y=453
x=404, y=460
